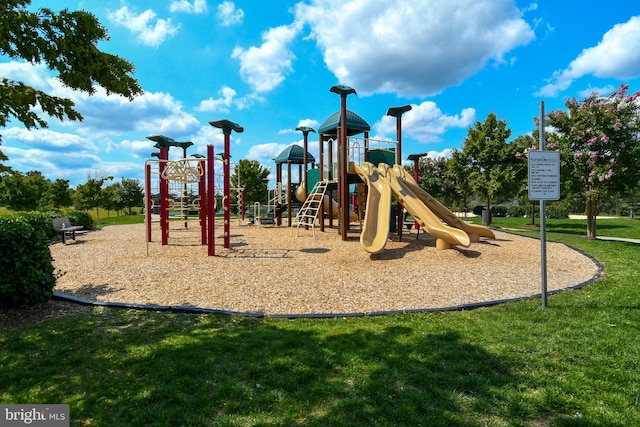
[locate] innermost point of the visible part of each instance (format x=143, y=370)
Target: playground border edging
x=201, y=310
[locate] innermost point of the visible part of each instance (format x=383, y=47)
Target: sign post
x=544, y=184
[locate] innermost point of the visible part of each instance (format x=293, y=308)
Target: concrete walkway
x=619, y=239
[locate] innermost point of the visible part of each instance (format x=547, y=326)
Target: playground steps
x=310, y=209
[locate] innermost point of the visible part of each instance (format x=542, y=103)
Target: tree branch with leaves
x=67, y=42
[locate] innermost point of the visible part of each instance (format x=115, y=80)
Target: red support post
x=416, y=177
x=148, y=199
x=344, y=164
x=288, y=195
x=321, y=160
x=227, y=127
x=343, y=156
x=164, y=196
x=211, y=200
x=202, y=191
x=227, y=190
x=397, y=112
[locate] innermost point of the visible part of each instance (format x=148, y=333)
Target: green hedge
x=516, y=211
x=557, y=210
x=25, y=261
x=78, y=218
x=477, y=209
x=498, y=211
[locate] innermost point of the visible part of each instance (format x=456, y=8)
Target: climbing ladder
x=309, y=211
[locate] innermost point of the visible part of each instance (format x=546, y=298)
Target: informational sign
x=544, y=175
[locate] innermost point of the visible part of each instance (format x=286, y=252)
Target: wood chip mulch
x=271, y=271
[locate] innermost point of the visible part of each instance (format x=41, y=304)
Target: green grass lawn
x=574, y=363
x=610, y=227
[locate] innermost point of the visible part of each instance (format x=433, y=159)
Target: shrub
x=79, y=218
x=557, y=211
x=516, y=211
x=499, y=211
x=477, y=210
x=25, y=261
x=40, y=221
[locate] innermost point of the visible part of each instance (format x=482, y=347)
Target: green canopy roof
x=355, y=124
x=294, y=154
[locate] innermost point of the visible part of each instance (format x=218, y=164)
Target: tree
x=437, y=179
x=60, y=193
x=3, y=169
x=109, y=199
x=129, y=194
x=487, y=164
x=251, y=176
x=526, y=141
x=66, y=42
x=90, y=194
x=598, y=139
x=25, y=192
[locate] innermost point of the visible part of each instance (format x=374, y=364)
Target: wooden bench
x=64, y=228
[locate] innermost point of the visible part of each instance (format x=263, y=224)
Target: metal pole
x=148, y=201
x=211, y=200
x=227, y=190
x=164, y=196
x=202, y=191
x=343, y=145
x=543, y=221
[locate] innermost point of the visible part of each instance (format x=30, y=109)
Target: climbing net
x=184, y=178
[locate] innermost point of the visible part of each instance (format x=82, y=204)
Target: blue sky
x=269, y=65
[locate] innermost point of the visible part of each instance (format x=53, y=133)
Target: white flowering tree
x=598, y=139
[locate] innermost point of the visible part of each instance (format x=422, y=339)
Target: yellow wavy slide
x=375, y=228
x=474, y=231
x=446, y=237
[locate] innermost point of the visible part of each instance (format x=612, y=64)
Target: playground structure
x=365, y=173
x=350, y=162
x=187, y=187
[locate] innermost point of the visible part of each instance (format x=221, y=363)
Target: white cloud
x=68, y=156
x=49, y=140
x=603, y=91
x=616, y=56
x=227, y=100
x=50, y=163
x=228, y=14
x=310, y=123
x=264, y=67
x=425, y=122
x=158, y=113
x=206, y=135
x=221, y=104
x=140, y=149
x=148, y=30
x=265, y=153
x=412, y=48
x=34, y=75
x=198, y=6
x=154, y=112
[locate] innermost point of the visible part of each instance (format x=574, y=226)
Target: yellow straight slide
x=474, y=231
x=446, y=237
x=375, y=229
